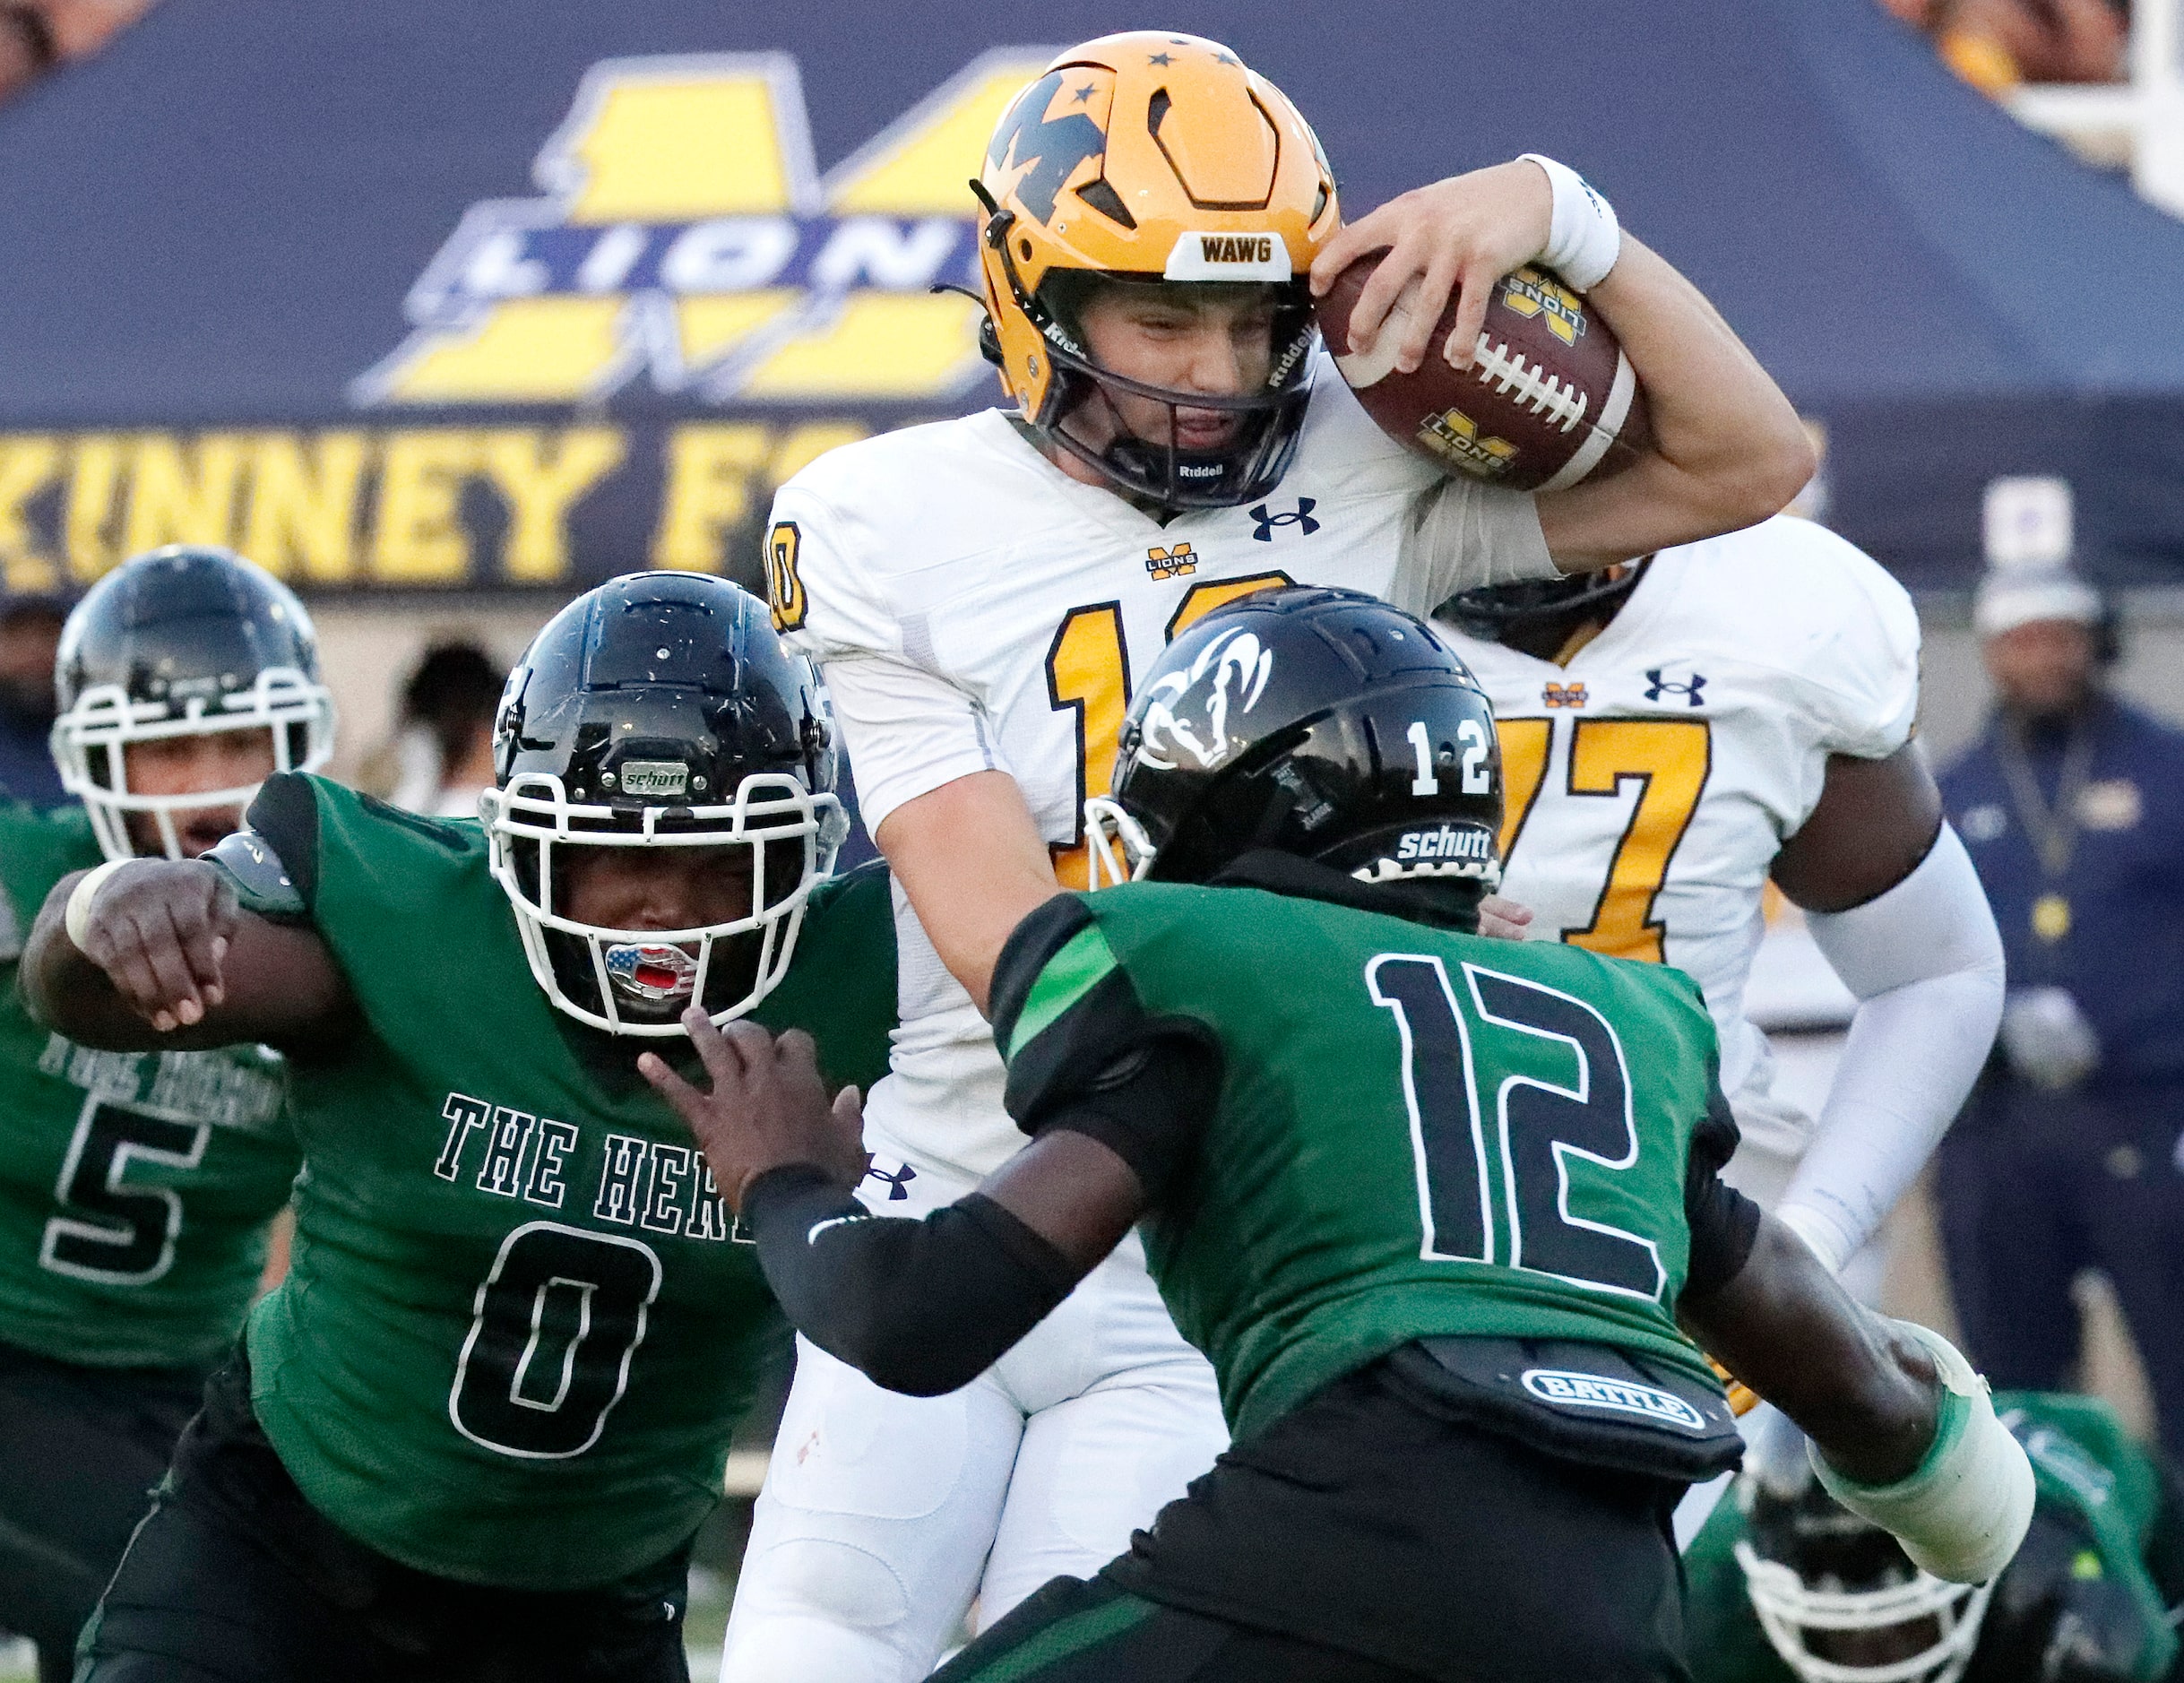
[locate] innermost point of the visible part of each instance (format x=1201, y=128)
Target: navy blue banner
x=520, y=293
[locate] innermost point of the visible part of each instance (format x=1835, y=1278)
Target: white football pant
x=885, y=1517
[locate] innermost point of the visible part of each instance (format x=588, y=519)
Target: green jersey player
x=1786, y=1587
x=136, y=1190
x=1438, y=1208
x=478, y=1424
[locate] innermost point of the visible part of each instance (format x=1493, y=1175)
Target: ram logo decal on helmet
x=1235, y=660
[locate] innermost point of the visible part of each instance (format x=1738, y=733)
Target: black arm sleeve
x=285, y=817
x=922, y=1307
x=1725, y=1224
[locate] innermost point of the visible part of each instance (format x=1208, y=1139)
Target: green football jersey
x=1419, y=1133
x=517, y=1330
x=2097, y=1489
x=135, y=1187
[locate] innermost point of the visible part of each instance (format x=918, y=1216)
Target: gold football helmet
x=1157, y=159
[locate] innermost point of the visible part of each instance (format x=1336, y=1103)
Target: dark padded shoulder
x=285, y=818
x=1031, y=947
x=262, y=882
x=1150, y=1107
x=1725, y=1224
x=1717, y=1136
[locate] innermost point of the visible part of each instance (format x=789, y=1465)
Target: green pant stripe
x=1059, y=1641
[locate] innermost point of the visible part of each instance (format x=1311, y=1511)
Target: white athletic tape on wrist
x=1584, y=238
x=1963, y=1513
x=77, y=918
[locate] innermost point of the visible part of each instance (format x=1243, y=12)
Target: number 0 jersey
x=135, y=1187
x=974, y=608
x=517, y=1330
x=1653, y=780
x=1419, y=1133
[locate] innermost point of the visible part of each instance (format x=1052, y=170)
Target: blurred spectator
x=30, y=636
x=442, y=754
x=1997, y=44
x=81, y=26
x=35, y=35
x=26, y=46
x=2067, y=1156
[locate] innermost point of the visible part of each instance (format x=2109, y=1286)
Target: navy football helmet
x=183, y=642
x=1309, y=721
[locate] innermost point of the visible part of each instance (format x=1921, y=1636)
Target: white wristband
x=1584, y=240
x=77, y=918
x=1963, y=1512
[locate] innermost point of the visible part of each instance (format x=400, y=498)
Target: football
x=1549, y=398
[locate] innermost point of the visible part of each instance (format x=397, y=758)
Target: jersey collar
x=1421, y=900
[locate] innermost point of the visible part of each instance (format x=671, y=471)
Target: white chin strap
x=1118, y=848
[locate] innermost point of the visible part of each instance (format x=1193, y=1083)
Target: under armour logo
x=1300, y=516
x=1658, y=687
x=897, y=1184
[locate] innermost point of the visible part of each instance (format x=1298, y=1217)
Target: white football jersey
x=972, y=608
x=1653, y=780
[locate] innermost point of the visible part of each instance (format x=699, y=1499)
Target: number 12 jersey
x=1419, y=1134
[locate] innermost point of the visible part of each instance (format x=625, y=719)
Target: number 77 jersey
x=1653, y=777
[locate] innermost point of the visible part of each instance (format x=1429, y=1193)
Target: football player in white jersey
x=982, y=594
x=1675, y=733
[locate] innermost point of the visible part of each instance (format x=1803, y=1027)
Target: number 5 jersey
x=135, y=1187
x=519, y=1328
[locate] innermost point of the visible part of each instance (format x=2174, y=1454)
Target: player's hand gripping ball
x=1549, y=399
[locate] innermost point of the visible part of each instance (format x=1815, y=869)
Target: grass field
x=710, y=1594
